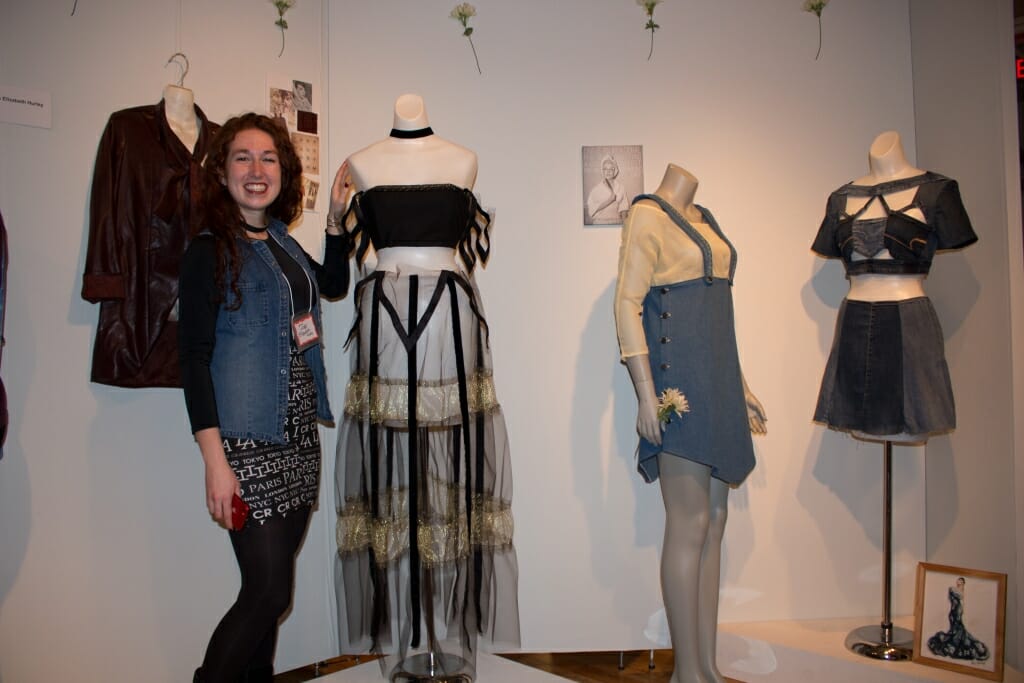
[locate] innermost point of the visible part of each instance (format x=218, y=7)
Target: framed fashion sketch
x=960, y=620
x=612, y=176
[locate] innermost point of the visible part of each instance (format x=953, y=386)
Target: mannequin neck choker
x=408, y=134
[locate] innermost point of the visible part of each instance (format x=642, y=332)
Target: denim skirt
x=887, y=371
x=691, y=339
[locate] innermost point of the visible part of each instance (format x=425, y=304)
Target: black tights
x=242, y=646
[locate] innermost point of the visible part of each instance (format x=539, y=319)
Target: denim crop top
x=911, y=243
x=442, y=215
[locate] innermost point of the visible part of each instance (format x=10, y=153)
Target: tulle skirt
x=423, y=478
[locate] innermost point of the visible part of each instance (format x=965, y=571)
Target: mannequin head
x=678, y=187
x=410, y=113
x=885, y=144
x=886, y=157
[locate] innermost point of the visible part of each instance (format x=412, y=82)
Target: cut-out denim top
x=910, y=242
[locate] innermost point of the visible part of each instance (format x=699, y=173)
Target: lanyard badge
x=304, y=331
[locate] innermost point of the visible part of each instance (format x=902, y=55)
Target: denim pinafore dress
x=691, y=339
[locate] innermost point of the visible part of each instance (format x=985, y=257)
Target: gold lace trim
x=442, y=538
x=437, y=402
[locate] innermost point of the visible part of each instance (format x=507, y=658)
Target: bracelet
x=332, y=222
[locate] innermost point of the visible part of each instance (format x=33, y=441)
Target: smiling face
x=252, y=174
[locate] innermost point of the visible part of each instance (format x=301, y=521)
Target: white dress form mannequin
x=426, y=160
x=696, y=504
x=886, y=161
x=179, y=108
x=402, y=161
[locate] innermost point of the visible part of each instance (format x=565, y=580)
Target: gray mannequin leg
x=686, y=492
x=710, y=581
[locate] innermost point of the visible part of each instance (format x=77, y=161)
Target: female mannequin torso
x=886, y=161
x=424, y=160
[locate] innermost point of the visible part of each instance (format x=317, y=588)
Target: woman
x=607, y=202
x=957, y=642
x=674, y=318
x=253, y=375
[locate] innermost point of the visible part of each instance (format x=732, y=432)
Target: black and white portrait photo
x=612, y=176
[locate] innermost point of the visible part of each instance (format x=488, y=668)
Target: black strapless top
x=442, y=215
x=911, y=243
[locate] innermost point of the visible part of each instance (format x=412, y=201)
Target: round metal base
x=430, y=667
x=893, y=644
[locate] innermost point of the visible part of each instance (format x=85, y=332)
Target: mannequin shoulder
x=460, y=163
x=644, y=216
x=646, y=211
x=431, y=160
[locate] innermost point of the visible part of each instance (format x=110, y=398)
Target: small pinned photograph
x=310, y=188
x=960, y=620
x=282, y=106
x=302, y=95
x=612, y=176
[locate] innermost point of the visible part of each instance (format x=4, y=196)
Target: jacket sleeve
x=104, y=276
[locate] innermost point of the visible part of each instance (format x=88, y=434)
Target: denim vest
x=250, y=364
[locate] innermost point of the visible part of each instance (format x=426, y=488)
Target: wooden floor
x=583, y=667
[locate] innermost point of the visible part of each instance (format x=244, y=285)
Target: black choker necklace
x=251, y=228
x=419, y=133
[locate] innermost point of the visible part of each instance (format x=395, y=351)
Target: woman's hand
x=221, y=483
x=607, y=202
x=221, y=486
x=341, y=191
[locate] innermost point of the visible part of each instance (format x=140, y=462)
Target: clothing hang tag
x=304, y=331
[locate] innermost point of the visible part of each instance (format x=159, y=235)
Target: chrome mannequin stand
x=884, y=641
x=433, y=667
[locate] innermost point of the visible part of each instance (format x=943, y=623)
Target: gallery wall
x=109, y=558
x=964, y=125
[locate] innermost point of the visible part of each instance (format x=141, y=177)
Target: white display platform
x=786, y=651
x=489, y=668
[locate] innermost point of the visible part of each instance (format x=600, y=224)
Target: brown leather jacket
x=144, y=192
